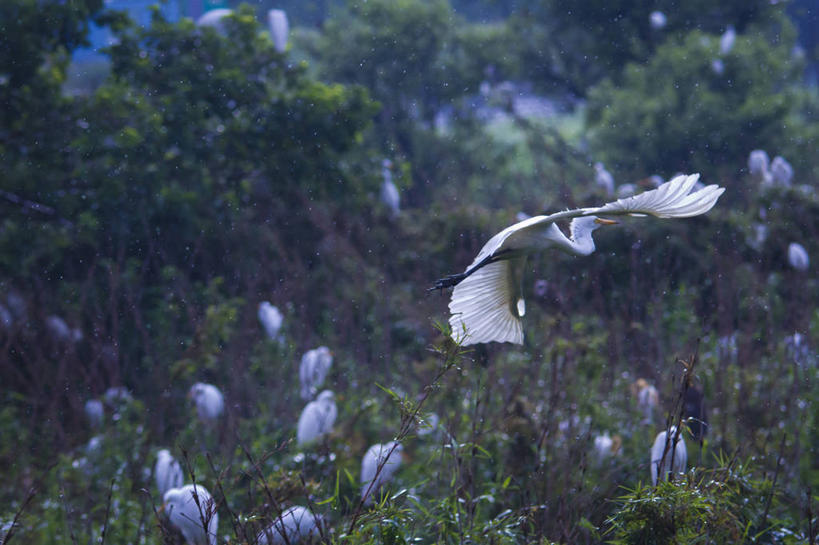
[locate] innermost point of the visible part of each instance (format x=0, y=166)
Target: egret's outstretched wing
x=487, y=305
x=673, y=199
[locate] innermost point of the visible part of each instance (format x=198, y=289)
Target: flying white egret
x=487, y=302
x=657, y=20
x=315, y=364
x=728, y=39
x=389, y=193
x=94, y=412
x=664, y=455
x=271, y=319
x=279, y=28
x=759, y=163
x=798, y=256
x=208, y=400
x=167, y=472
x=192, y=509
x=317, y=418
x=648, y=399
x=296, y=524
x=603, y=178
x=781, y=171
x=388, y=454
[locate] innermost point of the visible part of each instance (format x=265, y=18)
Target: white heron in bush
x=167, y=472
x=271, y=319
x=759, y=163
x=648, y=399
x=295, y=525
x=279, y=28
x=487, y=302
x=388, y=454
x=657, y=20
x=798, y=256
x=315, y=364
x=781, y=171
x=317, y=418
x=389, y=193
x=727, y=40
x=192, y=509
x=209, y=401
x=606, y=446
x=94, y=412
x=668, y=456
x=603, y=178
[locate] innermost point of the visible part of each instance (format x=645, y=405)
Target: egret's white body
x=648, y=399
x=657, y=19
x=167, y=472
x=676, y=456
x=208, y=400
x=317, y=418
x=213, y=18
x=94, y=412
x=279, y=28
x=388, y=454
x=798, y=257
x=759, y=163
x=606, y=446
x=603, y=178
x=389, y=193
x=781, y=171
x=315, y=364
x=192, y=509
x=271, y=319
x=296, y=523
x=487, y=303
x=728, y=39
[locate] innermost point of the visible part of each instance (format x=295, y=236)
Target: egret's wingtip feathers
x=673, y=199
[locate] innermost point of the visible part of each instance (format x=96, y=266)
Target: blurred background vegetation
x=153, y=200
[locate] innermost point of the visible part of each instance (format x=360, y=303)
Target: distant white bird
x=117, y=395
x=796, y=347
x=94, y=412
x=315, y=364
x=317, y=418
x=61, y=331
x=726, y=42
x=626, y=190
x=718, y=66
x=279, y=28
x=656, y=180
x=798, y=257
x=167, y=472
x=213, y=19
x=759, y=163
x=389, y=193
x=390, y=455
x=487, y=302
x=676, y=456
x=657, y=19
x=295, y=525
x=603, y=178
x=648, y=399
x=208, y=400
x=606, y=446
x=522, y=216
x=728, y=349
x=192, y=509
x=271, y=319
x=781, y=171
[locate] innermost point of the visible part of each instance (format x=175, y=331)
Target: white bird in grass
x=315, y=364
x=388, y=454
x=798, y=256
x=317, y=418
x=296, y=524
x=167, y=472
x=208, y=400
x=192, y=509
x=665, y=455
x=271, y=319
x=487, y=303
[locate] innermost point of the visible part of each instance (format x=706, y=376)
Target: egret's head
x=582, y=227
x=326, y=396
x=164, y=455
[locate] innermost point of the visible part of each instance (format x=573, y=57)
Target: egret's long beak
x=603, y=221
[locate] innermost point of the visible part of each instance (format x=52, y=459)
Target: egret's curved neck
x=580, y=243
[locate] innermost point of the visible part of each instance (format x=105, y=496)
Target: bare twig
x=10, y=532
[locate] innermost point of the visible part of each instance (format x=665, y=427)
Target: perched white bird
x=657, y=19
x=388, y=454
x=626, y=190
x=279, y=28
x=676, y=456
x=798, y=257
x=781, y=171
x=648, y=399
x=605, y=446
x=759, y=163
x=117, y=395
x=192, y=509
x=209, y=401
x=317, y=418
x=213, y=18
x=655, y=180
x=296, y=524
x=487, y=302
x=718, y=66
x=389, y=193
x=315, y=364
x=726, y=42
x=603, y=178
x=61, y=331
x=271, y=319
x=167, y=472
x=94, y=412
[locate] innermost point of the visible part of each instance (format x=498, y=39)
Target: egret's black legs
x=455, y=279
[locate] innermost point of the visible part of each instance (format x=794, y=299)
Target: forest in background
x=207, y=172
